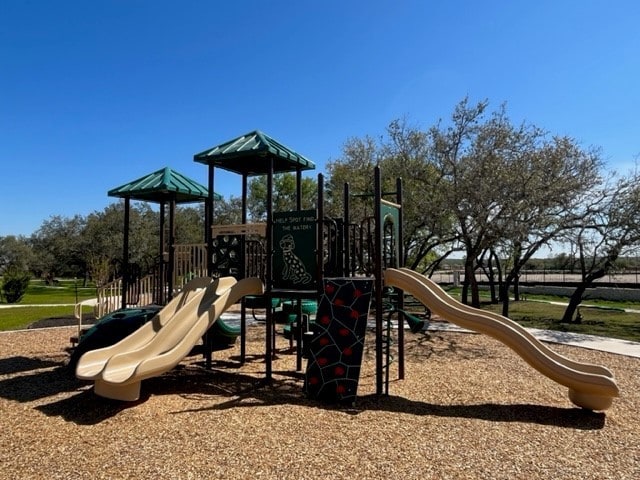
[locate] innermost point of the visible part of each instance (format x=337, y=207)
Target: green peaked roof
x=248, y=154
x=163, y=185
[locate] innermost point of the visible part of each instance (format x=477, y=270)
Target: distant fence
x=625, y=279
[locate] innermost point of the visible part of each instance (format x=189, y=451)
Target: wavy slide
x=94, y=361
x=590, y=386
x=157, y=347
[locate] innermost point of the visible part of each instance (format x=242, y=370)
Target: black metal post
x=269, y=275
x=172, y=249
x=209, y=206
x=298, y=331
x=243, y=263
x=378, y=279
x=320, y=232
x=346, y=232
x=400, y=263
x=298, y=189
x=125, y=252
x=160, y=284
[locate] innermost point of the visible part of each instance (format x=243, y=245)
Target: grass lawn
x=612, y=323
x=63, y=292
x=39, y=293
x=455, y=292
x=18, y=318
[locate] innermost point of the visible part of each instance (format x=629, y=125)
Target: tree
x=610, y=230
x=103, y=237
x=512, y=189
x=403, y=152
x=14, y=284
x=428, y=222
x=190, y=224
x=57, y=247
x=550, y=180
x=284, y=194
x=15, y=252
x=228, y=212
x=466, y=154
x=144, y=235
x=355, y=167
x=102, y=240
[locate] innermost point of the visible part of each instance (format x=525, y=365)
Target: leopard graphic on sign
x=294, y=268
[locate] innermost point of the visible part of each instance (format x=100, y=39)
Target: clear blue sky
x=94, y=94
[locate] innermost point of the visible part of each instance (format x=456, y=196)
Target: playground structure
x=302, y=255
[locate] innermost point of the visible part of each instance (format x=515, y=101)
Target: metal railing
x=109, y=296
x=545, y=277
x=190, y=262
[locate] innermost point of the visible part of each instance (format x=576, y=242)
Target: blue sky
x=94, y=94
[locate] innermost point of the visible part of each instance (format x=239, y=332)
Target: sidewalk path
x=38, y=305
x=601, y=307
x=592, y=342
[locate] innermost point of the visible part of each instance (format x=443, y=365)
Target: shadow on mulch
x=245, y=391
x=240, y=390
x=40, y=384
x=250, y=391
x=47, y=378
x=86, y=408
x=24, y=364
x=64, y=321
x=575, y=418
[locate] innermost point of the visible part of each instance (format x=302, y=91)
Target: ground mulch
x=468, y=408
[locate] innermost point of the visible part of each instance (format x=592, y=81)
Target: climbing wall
x=226, y=255
x=335, y=352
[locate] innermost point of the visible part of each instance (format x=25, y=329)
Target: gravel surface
x=468, y=408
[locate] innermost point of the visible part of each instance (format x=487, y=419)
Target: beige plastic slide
x=94, y=361
x=129, y=362
x=590, y=386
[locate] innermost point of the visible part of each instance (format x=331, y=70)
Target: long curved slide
x=118, y=371
x=590, y=386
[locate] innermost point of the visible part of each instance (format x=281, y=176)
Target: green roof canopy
x=162, y=186
x=248, y=155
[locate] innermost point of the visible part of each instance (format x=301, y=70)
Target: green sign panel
x=294, y=241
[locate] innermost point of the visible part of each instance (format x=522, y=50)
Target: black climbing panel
x=335, y=353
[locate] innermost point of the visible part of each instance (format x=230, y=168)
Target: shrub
x=14, y=285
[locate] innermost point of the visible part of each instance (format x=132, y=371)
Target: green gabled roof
x=163, y=185
x=248, y=154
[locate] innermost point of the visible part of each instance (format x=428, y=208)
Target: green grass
x=39, y=293
x=64, y=291
x=456, y=291
x=613, y=323
x=18, y=318
x=590, y=301
x=608, y=320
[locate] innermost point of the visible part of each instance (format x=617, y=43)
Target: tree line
x=475, y=185
x=497, y=193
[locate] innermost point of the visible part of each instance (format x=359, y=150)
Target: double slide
x=590, y=386
x=160, y=344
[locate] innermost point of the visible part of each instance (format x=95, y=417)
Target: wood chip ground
x=468, y=408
